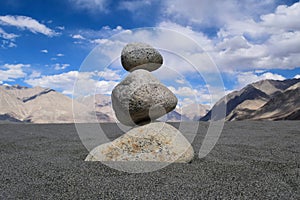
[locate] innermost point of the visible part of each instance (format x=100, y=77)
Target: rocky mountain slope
x=101, y=105
x=283, y=106
x=251, y=101
x=38, y=105
x=263, y=100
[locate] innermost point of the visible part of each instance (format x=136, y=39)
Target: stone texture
x=158, y=142
x=140, y=56
x=140, y=98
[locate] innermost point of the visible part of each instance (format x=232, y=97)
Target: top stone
x=140, y=56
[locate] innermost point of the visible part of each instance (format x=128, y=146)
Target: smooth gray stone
x=140, y=56
x=141, y=98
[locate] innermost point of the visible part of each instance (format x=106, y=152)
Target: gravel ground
x=252, y=160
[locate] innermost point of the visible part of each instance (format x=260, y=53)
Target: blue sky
x=47, y=43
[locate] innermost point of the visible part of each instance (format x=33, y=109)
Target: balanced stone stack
x=138, y=101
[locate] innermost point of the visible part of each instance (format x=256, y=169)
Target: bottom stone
x=158, y=142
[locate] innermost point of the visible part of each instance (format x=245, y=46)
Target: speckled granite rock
x=140, y=98
x=158, y=142
x=140, y=56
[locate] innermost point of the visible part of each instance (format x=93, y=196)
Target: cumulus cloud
x=109, y=75
x=91, y=5
x=28, y=23
x=245, y=78
x=184, y=91
x=247, y=43
x=284, y=18
x=243, y=43
x=35, y=74
x=231, y=50
x=78, y=36
x=64, y=81
x=60, y=55
x=134, y=6
x=176, y=54
x=202, y=12
x=44, y=51
x=10, y=72
x=187, y=95
x=59, y=66
x=86, y=83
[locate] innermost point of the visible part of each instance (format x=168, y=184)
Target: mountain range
x=37, y=105
x=263, y=100
x=44, y=105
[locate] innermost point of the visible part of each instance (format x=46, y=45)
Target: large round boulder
x=140, y=98
x=156, y=142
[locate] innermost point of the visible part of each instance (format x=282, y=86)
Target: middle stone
x=141, y=98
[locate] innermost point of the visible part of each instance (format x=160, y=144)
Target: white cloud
x=187, y=95
x=233, y=44
x=44, y=51
x=284, y=18
x=60, y=28
x=7, y=43
x=91, y=5
x=8, y=39
x=105, y=87
x=183, y=91
x=214, y=13
x=64, y=81
x=134, y=6
x=180, y=81
x=10, y=72
x=230, y=52
x=59, y=66
x=246, y=44
x=245, y=78
x=177, y=55
x=284, y=44
x=24, y=22
x=78, y=36
x=109, y=75
x=251, y=38
x=7, y=36
x=96, y=36
x=86, y=83
x=35, y=74
x=187, y=31
x=297, y=76
x=60, y=55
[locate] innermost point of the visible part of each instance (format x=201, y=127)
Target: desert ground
x=257, y=160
